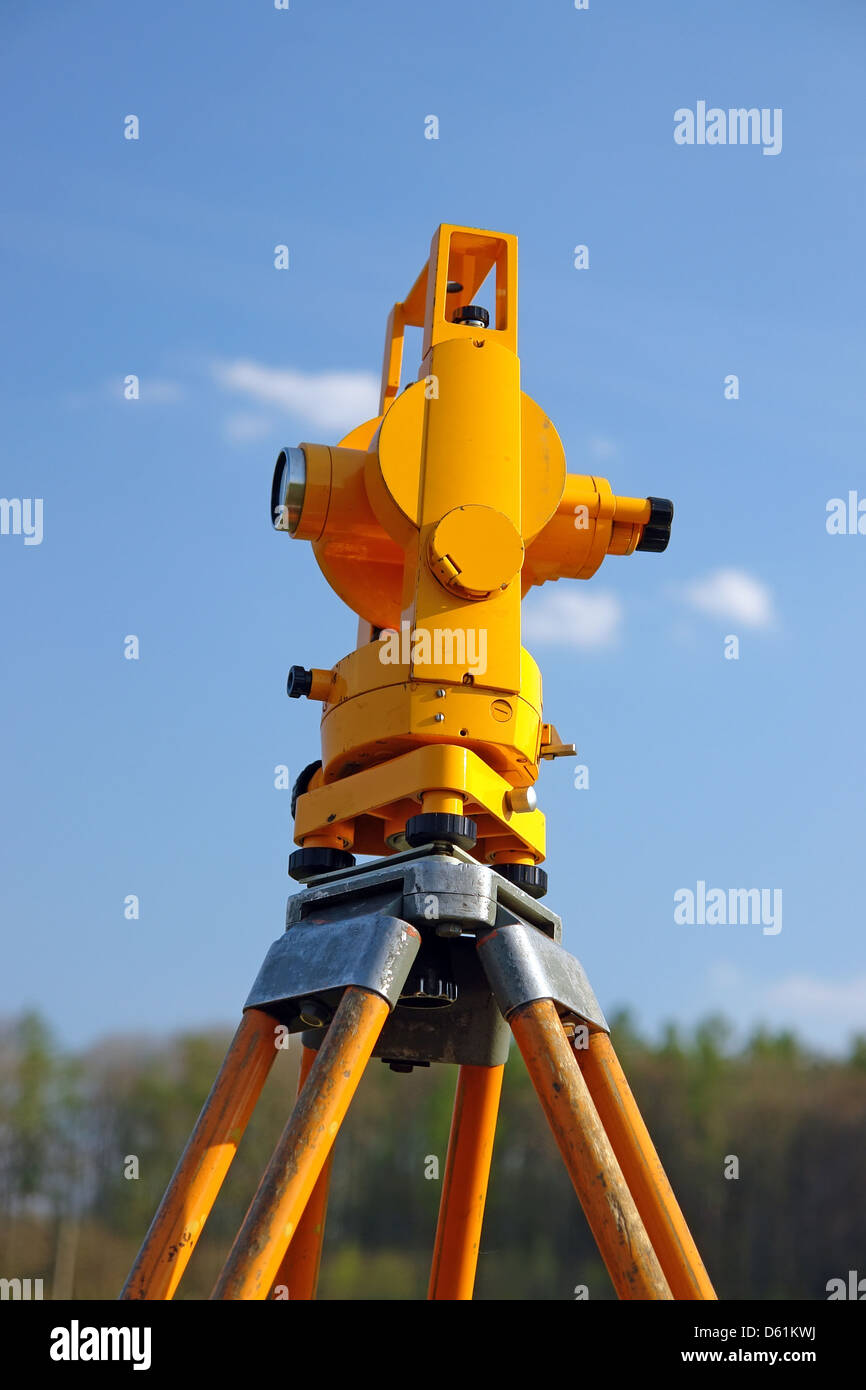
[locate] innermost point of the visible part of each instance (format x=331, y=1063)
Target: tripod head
x=431, y=522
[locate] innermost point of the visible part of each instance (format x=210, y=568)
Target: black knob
x=430, y=826
x=472, y=314
x=300, y=682
x=302, y=783
x=318, y=859
x=657, y=531
x=529, y=877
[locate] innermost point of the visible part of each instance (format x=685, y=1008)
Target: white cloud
x=574, y=618
x=734, y=595
x=328, y=400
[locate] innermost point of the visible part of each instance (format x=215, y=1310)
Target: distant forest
x=792, y=1220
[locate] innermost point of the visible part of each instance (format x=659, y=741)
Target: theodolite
x=431, y=521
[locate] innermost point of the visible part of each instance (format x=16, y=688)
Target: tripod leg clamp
x=317, y=960
x=523, y=964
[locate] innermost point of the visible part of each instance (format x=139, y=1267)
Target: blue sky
x=155, y=257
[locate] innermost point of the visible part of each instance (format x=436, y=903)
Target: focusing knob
x=472, y=314
x=299, y=682
x=657, y=531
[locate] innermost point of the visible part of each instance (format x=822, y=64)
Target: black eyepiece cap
x=657, y=531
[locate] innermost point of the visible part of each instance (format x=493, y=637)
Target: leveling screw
x=314, y=1014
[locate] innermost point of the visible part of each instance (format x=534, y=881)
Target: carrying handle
x=461, y=258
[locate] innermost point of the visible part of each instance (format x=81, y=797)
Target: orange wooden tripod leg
x=299, y=1271
x=303, y=1148
x=589, y=1158
x=642, y=1169
x=205, y=1161
x=467, y=1171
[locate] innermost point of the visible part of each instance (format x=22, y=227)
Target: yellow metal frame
x=361, y=811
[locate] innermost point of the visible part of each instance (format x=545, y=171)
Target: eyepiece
x=287, y=490
x=657, y=531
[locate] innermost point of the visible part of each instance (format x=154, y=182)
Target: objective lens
x=287, y=490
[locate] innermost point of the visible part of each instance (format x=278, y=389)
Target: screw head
x=314, y=1014
x=472, y=314
x=522, y=799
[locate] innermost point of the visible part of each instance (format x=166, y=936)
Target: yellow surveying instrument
x=431, y=521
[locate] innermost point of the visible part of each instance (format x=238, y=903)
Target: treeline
x=764, y=1147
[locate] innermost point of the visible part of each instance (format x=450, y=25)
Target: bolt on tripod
x=431, y=521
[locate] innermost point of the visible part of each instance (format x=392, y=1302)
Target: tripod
x=427, y=956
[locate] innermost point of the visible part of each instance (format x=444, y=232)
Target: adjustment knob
x=472, y=314
x=529, y=877
x=657, y=531
x=299, y=682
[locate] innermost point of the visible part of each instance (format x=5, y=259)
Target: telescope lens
x=287, y=490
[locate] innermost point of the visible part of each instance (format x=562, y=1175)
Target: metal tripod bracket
x=522, y=965
x=365, y=926
x=320, y=958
